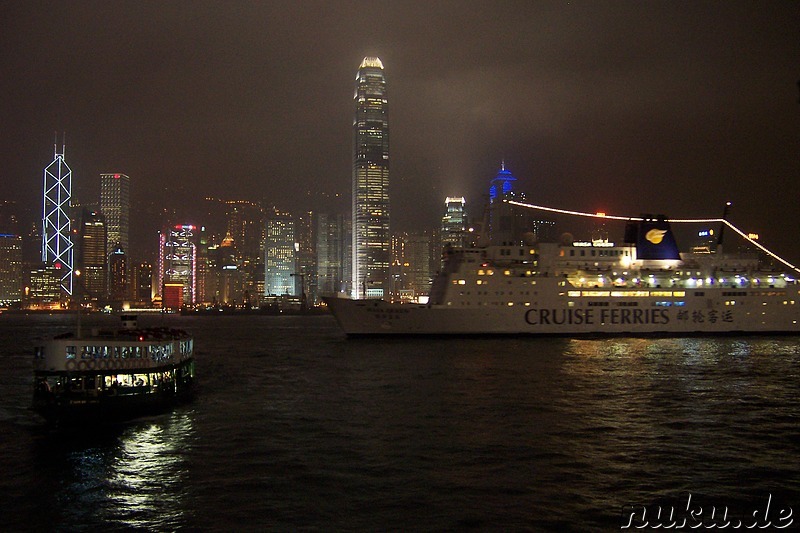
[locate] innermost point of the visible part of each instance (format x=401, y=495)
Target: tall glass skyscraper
x=280, y=256
x=92, y=258
x=115, y=203
x=371, y=237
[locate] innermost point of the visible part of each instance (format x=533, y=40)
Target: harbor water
x=296, y=427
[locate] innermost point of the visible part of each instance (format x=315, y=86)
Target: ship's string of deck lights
x=671, y=220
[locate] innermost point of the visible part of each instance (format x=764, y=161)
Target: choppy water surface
x=297, y=427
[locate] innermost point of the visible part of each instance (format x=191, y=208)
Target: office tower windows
x=115, y=204
x=371, y=237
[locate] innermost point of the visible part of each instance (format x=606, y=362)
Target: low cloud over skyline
x=616, y=106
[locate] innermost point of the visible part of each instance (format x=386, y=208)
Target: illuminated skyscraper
x=177, y=265
x=115, y=203
x=454, y=222
x=92, y=259
x=371, y=237
x=509, y=224
x=57, y=249
x=280, y=255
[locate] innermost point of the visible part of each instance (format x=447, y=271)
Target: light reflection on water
x=135, y=477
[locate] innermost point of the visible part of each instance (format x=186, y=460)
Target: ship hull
x=706, y=317
x=111, y=405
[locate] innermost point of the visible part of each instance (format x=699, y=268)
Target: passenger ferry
x=644, y=286
x=112, y=375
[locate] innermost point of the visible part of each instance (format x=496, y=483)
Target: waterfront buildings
x=115, y=203
x=57, y=246
x=370, y=201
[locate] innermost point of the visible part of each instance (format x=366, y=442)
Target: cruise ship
x=643, y=286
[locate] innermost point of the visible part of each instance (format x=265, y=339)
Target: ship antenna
x=722, y=226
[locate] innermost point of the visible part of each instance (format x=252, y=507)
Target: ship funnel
x=128, y=321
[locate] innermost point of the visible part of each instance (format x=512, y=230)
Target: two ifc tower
x=371, y=237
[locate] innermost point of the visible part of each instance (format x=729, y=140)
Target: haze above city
x=618, y=107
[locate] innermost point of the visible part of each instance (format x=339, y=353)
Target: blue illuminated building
x=510, y=225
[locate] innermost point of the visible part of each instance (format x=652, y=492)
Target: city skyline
x=595, y=106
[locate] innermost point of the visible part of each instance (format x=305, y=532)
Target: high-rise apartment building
x=280, y=255
x=92, y=259
x=10, y=269
x=57, y=246
x=115, y=203
x=371, y=237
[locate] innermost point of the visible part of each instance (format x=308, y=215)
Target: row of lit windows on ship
x=480, y=282
x=661, y=303
x=500, y=303
x=156, y=352
x=499, y=293
x=625, y=294
x=491, y=272
x=598, y=253
x=520, y=251
x=735, y=302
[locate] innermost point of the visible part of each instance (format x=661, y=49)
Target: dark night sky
x=626, y=107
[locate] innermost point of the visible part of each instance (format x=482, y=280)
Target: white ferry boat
x=109, y=376
x=642, y=287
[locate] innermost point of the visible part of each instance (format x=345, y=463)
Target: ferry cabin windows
x=89, y=387
x=156, y=352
